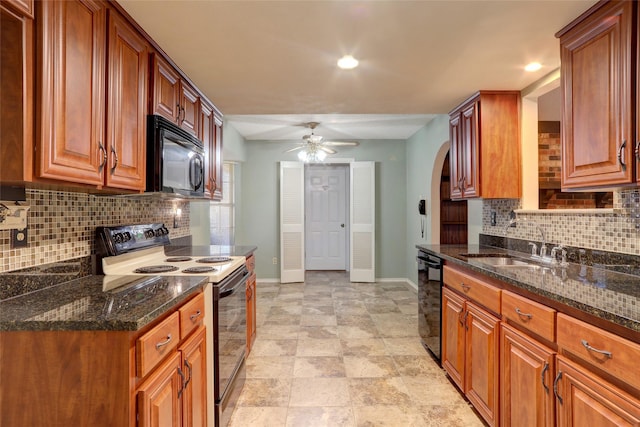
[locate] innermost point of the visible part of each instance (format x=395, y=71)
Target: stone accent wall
x=617, y=231
x=61, y=225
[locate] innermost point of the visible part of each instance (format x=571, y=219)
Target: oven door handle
x=227, y=293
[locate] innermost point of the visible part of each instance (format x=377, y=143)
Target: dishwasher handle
x=432, y=263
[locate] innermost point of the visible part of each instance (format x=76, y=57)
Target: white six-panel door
x=326, y=217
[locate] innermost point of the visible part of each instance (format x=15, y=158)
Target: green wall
x=259, y=218
x=425, y=151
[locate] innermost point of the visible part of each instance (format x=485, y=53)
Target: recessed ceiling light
x=533, y=66
x=347, y=62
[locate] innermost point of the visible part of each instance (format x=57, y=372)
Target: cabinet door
x=190, y=109
x=166, y=89
x=597, y=138
x=71, y=102
x=251, y=311
x=469, y=141
x=217, y=163
x=194, y=397
x=127, y=93
x=481, y=362
x=158, y=401
x=453, y=332
x=587, y=400
x=455, y=156
x=525, y=381
x=208, y=138
x=16, y=102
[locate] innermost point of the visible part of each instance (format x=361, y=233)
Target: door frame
x=362, y=226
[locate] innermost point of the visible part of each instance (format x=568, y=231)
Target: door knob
x=342, y=225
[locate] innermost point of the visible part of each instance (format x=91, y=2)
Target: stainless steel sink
x=506, y=262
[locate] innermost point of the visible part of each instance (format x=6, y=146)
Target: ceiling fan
x=314, y=148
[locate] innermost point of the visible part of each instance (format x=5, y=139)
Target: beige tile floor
x=340, y=354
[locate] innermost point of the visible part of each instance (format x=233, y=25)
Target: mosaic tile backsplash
x=617, y=231
x=61, y=225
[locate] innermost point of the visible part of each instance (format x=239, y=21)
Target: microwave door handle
x=196, y=174
x=200, y=170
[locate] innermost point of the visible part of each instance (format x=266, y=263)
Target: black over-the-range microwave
x=175, y=160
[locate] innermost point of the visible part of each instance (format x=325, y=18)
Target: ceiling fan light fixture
x=311, y=154
x=347, y=62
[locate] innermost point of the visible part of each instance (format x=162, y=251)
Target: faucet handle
x=555, y=250
x=534, y=249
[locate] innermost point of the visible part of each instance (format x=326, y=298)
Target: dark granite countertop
x=607, y=294
x=213, y=250
x=80, y=304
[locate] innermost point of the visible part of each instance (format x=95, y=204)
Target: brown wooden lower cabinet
x=92, y=378
x=251, y=311
x=526, y=378
x=470, y=352
x=584, y=399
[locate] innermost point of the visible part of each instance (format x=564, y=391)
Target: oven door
x=230, y=332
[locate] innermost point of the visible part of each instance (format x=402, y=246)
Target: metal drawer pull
x=163, y=343
x=544, y=371
x=115, y=159
x=104, y=155
x=620, y=154
x=465, y=287
x=195, y=315
x=186, y=363
x=521, y=314
x=182, y=383
x=555, y=387
x=595, y=350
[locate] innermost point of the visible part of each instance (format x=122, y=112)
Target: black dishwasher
x=430, y=302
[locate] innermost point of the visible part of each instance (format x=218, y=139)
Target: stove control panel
x=120, y=239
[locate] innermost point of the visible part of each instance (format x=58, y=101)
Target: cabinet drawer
x=532, y=316
x=191, y=315
x=153, y=346
x=590, y=343
x=481, y=292
x=251, y=264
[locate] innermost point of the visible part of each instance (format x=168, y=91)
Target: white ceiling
x=271, y=65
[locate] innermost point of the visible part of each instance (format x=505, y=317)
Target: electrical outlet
x=19, y=238
x=275, y=261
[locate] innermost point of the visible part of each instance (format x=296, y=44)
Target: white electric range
x=126, y=250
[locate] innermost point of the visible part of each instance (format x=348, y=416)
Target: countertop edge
x=612, y=322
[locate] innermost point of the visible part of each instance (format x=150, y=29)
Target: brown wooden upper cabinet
x=16, y=86
x=80, y=141
x=173, y=97
x=599, y=144
x=485, y=146
x=211, y=136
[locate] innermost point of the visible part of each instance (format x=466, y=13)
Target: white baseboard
x=378, y=280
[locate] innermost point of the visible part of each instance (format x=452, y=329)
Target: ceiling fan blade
x=294, y=149
x=327, y=149
x=344, y=143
